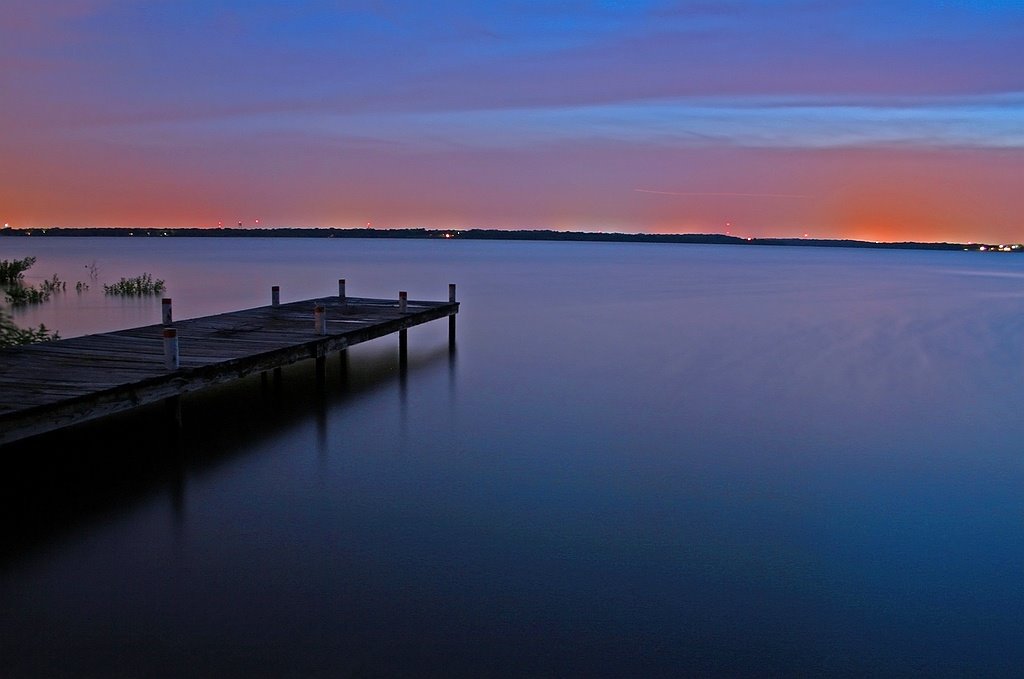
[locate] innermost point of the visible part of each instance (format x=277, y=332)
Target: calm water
x=644, y=460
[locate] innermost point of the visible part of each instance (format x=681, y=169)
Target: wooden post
x=403, y=352
x=275, y=295
x=319, y=319
x=341, y=289
x=171, y=359
x=403, y=334
x=451, y=318
x=165, y=306
x=403, y=338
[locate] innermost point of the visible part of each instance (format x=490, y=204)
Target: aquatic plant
x=11, y=335
x=139, y=285
x=81, y=287
x=53, y=285
x=19, y=295
x=11, y=270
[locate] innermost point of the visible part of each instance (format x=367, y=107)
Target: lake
x=642, y=460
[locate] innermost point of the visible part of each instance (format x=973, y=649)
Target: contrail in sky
x=705, y=193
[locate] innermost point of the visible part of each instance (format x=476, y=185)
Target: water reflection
x=343, y=371
x=645, y=461
x=177, y=491
x=403, y=377
x=321, y=425
x=56, y=484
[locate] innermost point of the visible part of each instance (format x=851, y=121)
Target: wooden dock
x=52, y=385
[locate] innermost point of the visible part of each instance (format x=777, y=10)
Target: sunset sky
x=876, y=120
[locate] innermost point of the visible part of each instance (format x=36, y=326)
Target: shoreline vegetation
x=12, y=335
x=12, y=273
x=498, y=234
x=18, y=294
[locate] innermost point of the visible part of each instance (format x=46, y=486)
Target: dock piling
x=403, y=334
x=165, y=307
x=451, y=318
x=403, y=350
x=275, y=295
x=319, y=319
x=171, y=358
x=341, y=290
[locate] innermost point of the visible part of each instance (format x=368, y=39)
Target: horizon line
x=10, y=230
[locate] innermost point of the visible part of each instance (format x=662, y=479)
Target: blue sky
x=99, y=94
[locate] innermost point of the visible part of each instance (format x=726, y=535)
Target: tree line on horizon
x=490, y=234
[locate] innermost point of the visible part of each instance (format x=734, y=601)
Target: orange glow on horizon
x=891, y=194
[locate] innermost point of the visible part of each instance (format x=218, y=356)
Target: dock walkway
x=56, y=384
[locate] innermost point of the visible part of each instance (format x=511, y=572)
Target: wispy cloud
x=751, y=122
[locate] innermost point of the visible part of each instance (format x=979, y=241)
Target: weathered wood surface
x=55, y=384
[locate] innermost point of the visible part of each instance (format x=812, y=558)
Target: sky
x=876, y=120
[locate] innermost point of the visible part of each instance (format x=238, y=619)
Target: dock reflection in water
x=62, y=482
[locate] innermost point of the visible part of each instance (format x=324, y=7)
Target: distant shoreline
x=498, y=234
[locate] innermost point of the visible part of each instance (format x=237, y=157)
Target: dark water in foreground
x=644, y=460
